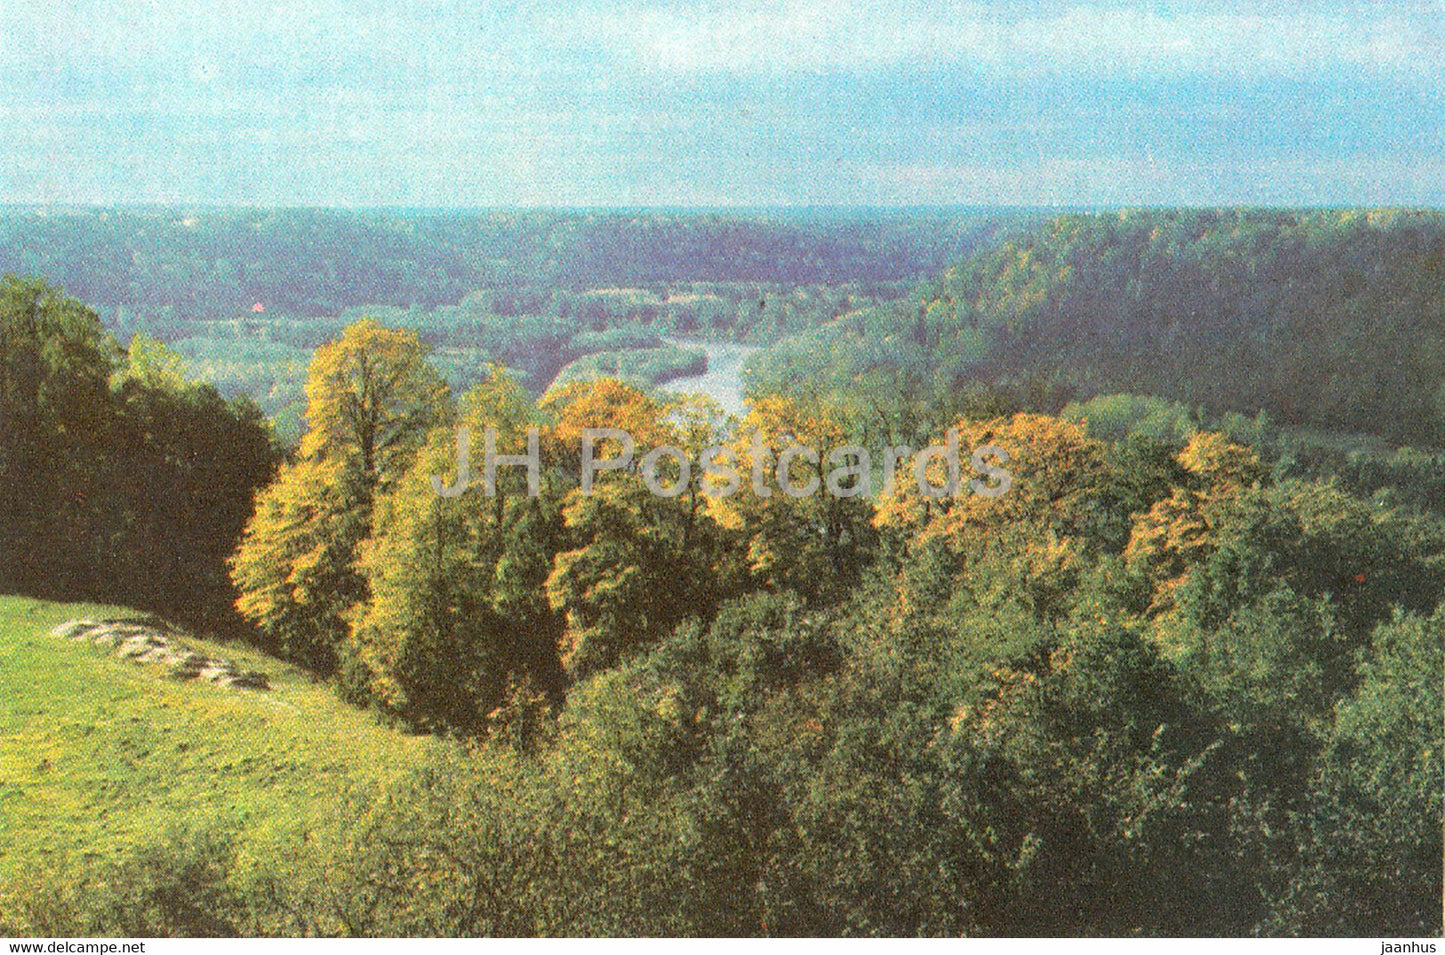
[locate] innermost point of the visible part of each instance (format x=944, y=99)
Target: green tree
x=371, y=399
x=55, y=418
x=458, y=622
x=637, y=562
x=1371, y=856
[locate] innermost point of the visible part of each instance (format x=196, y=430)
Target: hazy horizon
x=698, y=105
x=738, y=211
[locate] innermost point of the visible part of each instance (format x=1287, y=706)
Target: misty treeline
x=166, y=265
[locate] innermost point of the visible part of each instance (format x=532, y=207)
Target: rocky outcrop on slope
x=154, y=642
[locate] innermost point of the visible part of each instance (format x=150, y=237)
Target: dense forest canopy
x=1183, y=676
x=1333, y=320
x=118, y=477
x=1145, y=691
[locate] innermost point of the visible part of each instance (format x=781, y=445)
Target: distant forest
x=1333, y=320
x=1330, y=320
x=1183, y=678
x=175, y=263
x=1318, y=337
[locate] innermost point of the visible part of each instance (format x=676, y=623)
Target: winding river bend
x=722, y=382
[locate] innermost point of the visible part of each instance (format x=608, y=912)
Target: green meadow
x=99, y=754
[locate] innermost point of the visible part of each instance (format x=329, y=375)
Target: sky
x=474, y=103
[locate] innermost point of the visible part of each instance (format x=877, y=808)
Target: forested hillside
x=168, y=264
x=1150, y=689
x=245, y=295
x=1333, y=320
x=119, y=478
x=1173, y=668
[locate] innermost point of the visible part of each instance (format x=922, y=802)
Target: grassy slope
x=98, y=753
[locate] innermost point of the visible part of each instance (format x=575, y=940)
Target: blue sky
x=812, y=102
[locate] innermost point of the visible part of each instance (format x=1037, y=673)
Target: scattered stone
x=73, y=629
x=155, y=642
x=140, y=647
x=187, y=666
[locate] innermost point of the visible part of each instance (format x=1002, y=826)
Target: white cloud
x=424, y=40
x=431, y=101
x=820, y=35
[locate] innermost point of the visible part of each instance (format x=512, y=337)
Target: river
x=722, y=382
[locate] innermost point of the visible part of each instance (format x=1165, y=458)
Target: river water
x=722, y=381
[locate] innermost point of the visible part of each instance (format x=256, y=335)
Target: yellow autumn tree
x=817, y=540
x=1178, y=532
x=293, y=570
x=1036, y=531
x=643, y=554
x=371, y=397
